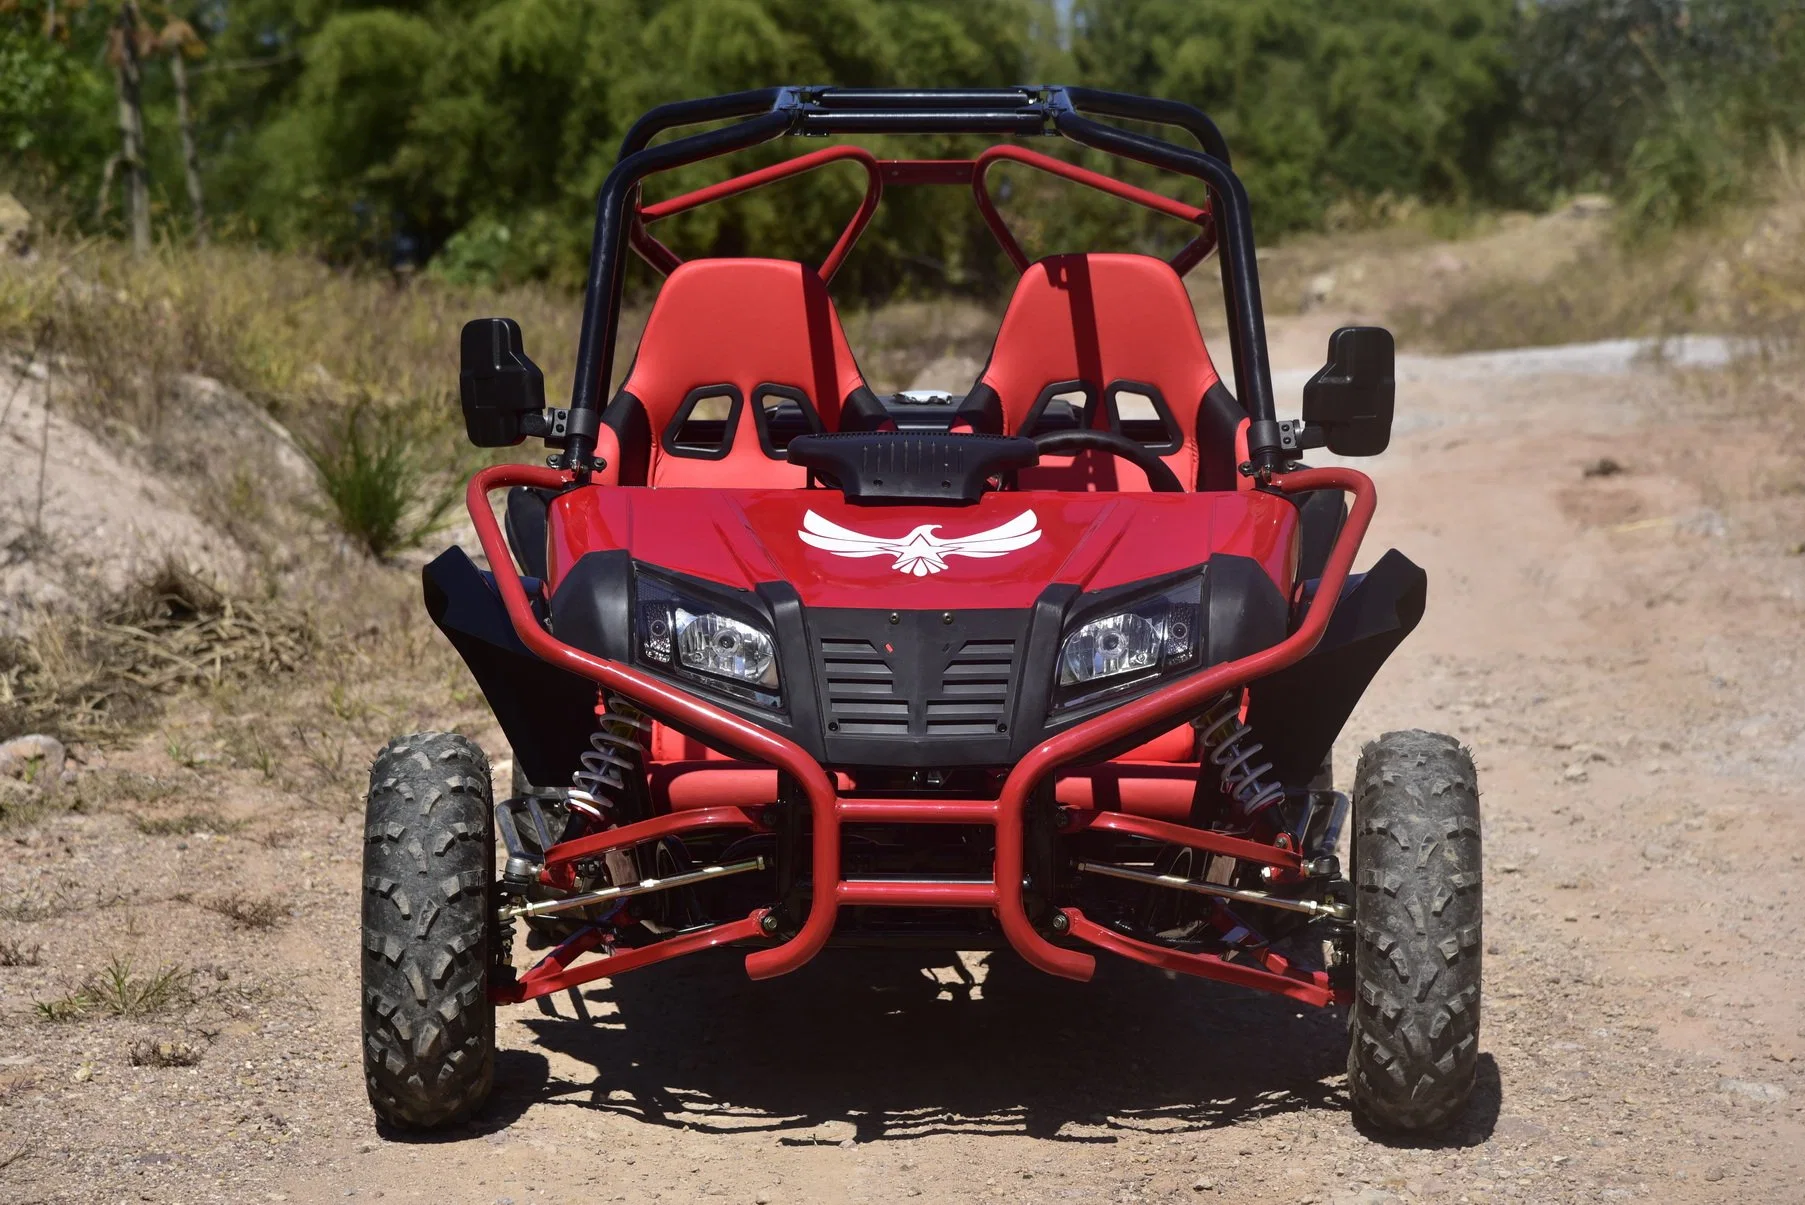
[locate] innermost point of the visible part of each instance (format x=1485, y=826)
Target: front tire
x=1414, y=1024
x=429, y=932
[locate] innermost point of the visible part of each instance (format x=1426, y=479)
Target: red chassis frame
x=1003, y=895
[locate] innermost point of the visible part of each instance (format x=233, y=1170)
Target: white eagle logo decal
x=921, y=552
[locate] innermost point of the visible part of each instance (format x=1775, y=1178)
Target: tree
x=126, y=43
x=179, y=41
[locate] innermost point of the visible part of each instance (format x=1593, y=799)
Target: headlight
x=698, y=639
x=1154, y=635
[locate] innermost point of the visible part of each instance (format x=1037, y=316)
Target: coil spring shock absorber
x=617, y=749
x=1227, y=747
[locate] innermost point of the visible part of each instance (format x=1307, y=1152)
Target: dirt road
x=1624, y=654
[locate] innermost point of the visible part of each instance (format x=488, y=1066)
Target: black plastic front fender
x=546, y=713
x=1297, y=713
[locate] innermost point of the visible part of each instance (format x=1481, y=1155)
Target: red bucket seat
x=738, y=356
x=1109, y=342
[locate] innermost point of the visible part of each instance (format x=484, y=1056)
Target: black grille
x=861, y=690
x=974, y=690
x=917, y=688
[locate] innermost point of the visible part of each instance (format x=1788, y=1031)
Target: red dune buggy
x=1054, y=666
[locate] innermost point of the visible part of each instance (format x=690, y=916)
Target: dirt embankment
x=178, y=1008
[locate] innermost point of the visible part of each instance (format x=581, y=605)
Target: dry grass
x=167, y=1052
x=77, y=674
x=1743, y=277
x=250, y=912
x=31, y=905
x=187, y=824
x=289, y=331
x=16, y=952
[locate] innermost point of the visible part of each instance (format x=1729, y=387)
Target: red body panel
x=827, y=808
x=1095, y=541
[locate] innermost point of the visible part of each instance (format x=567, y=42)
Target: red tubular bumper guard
x=827, y=810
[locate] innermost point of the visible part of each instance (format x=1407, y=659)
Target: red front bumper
x=828, y=810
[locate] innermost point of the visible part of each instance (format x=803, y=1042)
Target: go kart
x=1051, y=667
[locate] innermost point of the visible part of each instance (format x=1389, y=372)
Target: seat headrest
x=742, y=322
x=1098, y=320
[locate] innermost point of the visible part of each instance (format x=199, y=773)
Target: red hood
x=1094, y=541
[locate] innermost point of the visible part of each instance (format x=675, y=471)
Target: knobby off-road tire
x=428, y=932
x=1414, y=1025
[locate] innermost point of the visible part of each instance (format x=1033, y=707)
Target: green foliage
x=385, y=491
x=475, y=133
x=1669, y=104
x=1320, y=101
x=54, y=111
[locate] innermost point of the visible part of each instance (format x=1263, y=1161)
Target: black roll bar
x=769, y=113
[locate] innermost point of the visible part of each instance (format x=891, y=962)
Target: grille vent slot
x=861, y=690
x=974, y=691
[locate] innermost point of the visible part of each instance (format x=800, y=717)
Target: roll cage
x=766, y=114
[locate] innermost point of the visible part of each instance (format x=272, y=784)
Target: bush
x=385, y=492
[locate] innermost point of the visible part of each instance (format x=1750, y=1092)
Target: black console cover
x=911, y=466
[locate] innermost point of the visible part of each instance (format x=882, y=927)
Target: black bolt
x=833, y=725
x=1060, y=922
x=1002, y=727
x=895, y=618
x=769, y=922
x=947, y=618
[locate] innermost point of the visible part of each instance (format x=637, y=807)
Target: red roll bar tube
x=1162, y=707
x=1187, y=257
x=665, y=260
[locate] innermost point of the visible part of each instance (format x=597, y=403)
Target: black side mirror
x=498, y=385
x=1348, y=405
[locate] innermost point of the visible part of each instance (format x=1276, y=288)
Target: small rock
x=1750, y=1090
x=15, y=226
x=1203, y=1184
x=83, y=1073
x=1714, y=1173
x=1508, y=868
x=31, y=757
x=1575, y=772
x=846, y=1144
x=1655, y=853
x=763, y=1198
x=1604, y=466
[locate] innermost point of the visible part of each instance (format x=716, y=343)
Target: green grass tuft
x=384, y=491
x=116, y=991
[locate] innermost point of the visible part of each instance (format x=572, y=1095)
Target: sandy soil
x=1623, y=654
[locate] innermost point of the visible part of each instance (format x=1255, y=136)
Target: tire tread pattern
x=428, y=1024
x=1414, y=1025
